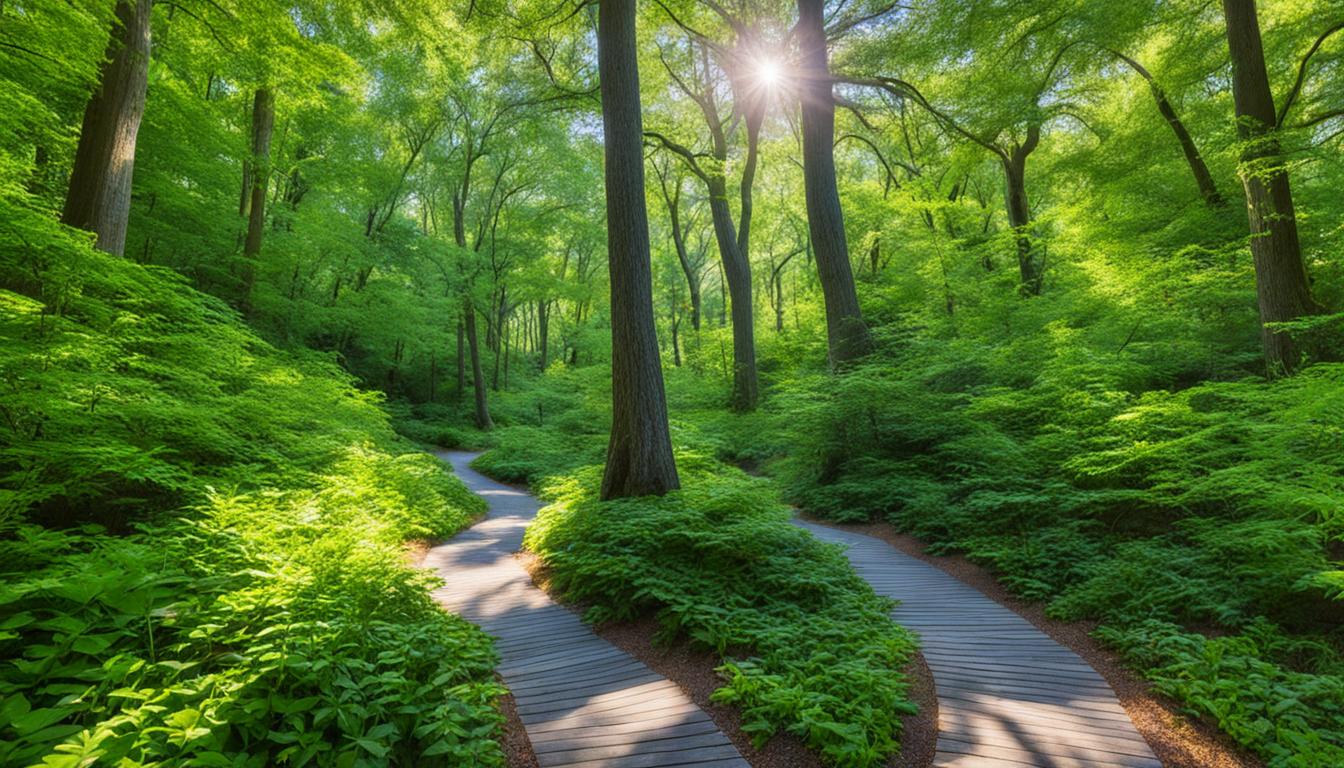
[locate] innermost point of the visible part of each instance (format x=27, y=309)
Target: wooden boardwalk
x=583, y=701
x=1008, y=695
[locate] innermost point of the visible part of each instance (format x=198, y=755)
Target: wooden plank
x=683, y=747
x=562, y=743
x=1008, y=694
x=644, y=759
x=583, y=702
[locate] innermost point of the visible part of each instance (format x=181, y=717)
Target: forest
x=899, y=383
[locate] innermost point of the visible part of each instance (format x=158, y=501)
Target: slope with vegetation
x=202, y=541
x=1055, y=284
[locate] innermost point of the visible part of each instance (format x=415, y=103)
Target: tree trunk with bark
x=737, y=271
x=1030, y=259
x=461, y=362
x=639, y=456
x=846, y=334
x=483, y=420
x=263, y=123
x=673, y=201
x=543, y=330
x=1282, y=286
x=99, y=196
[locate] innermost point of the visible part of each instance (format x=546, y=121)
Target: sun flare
x=769, y=72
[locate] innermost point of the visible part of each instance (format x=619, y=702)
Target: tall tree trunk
x=676, y=342
x=483, y=420
x=639, y=456
x=737, y=271
x=263, y=121
x=508, y=334
x=779, y=302
x=461, y=362
x=723, y=297
x=1208, y=189
x=1030, y=257
x=683, y=255
x=846, y=334
x=99, y=196
x=1282, y=285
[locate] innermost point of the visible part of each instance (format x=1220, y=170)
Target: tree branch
x=1296, y=90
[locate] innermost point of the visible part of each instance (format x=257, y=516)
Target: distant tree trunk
x=737, y=270
x=543, y=329
x=1030, y=258
x=755, y=116
x=499, y=352
x=1282, y=285
x=461, y=362
x=483, y=420
x=245, y=195
x=99, y=196
x=723, y=297
x=639, y=456
x=673, y=201
x=676, y=342
x=846, y=334
x=509, y=334
x=263, y=121
x=1198, y=168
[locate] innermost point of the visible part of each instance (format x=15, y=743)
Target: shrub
x=807, y=646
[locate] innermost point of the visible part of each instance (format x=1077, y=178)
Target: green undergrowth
x=807, y=647
x=201, y=540
x=1190, y=508
x=1200, y=524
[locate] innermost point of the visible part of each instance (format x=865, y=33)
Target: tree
x=1282, y=287
x=846, y=334
x=733, y=238
x=99, y=197
x=691, y=270
x=258, y=179
x=639, y=455
x=1208, y=189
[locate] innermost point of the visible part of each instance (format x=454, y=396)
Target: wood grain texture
x=1008, y=695
x=583, y=702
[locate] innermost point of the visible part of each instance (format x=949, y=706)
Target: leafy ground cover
x=807, y=647
x=201, y=541
x=1200, y=524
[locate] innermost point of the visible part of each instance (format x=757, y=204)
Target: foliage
x=202, y=541
x=1213, y=507
x=1295, y=717
x=1111, y=447
x=807, y=646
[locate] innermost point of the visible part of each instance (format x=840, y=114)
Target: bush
x=201, y=540
x=807, y=646
x=1084, y=483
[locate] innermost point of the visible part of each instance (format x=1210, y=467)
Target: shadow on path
x=1008, y=694
x=582, y=701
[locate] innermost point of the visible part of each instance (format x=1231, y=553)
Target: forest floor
x=1178, y=741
